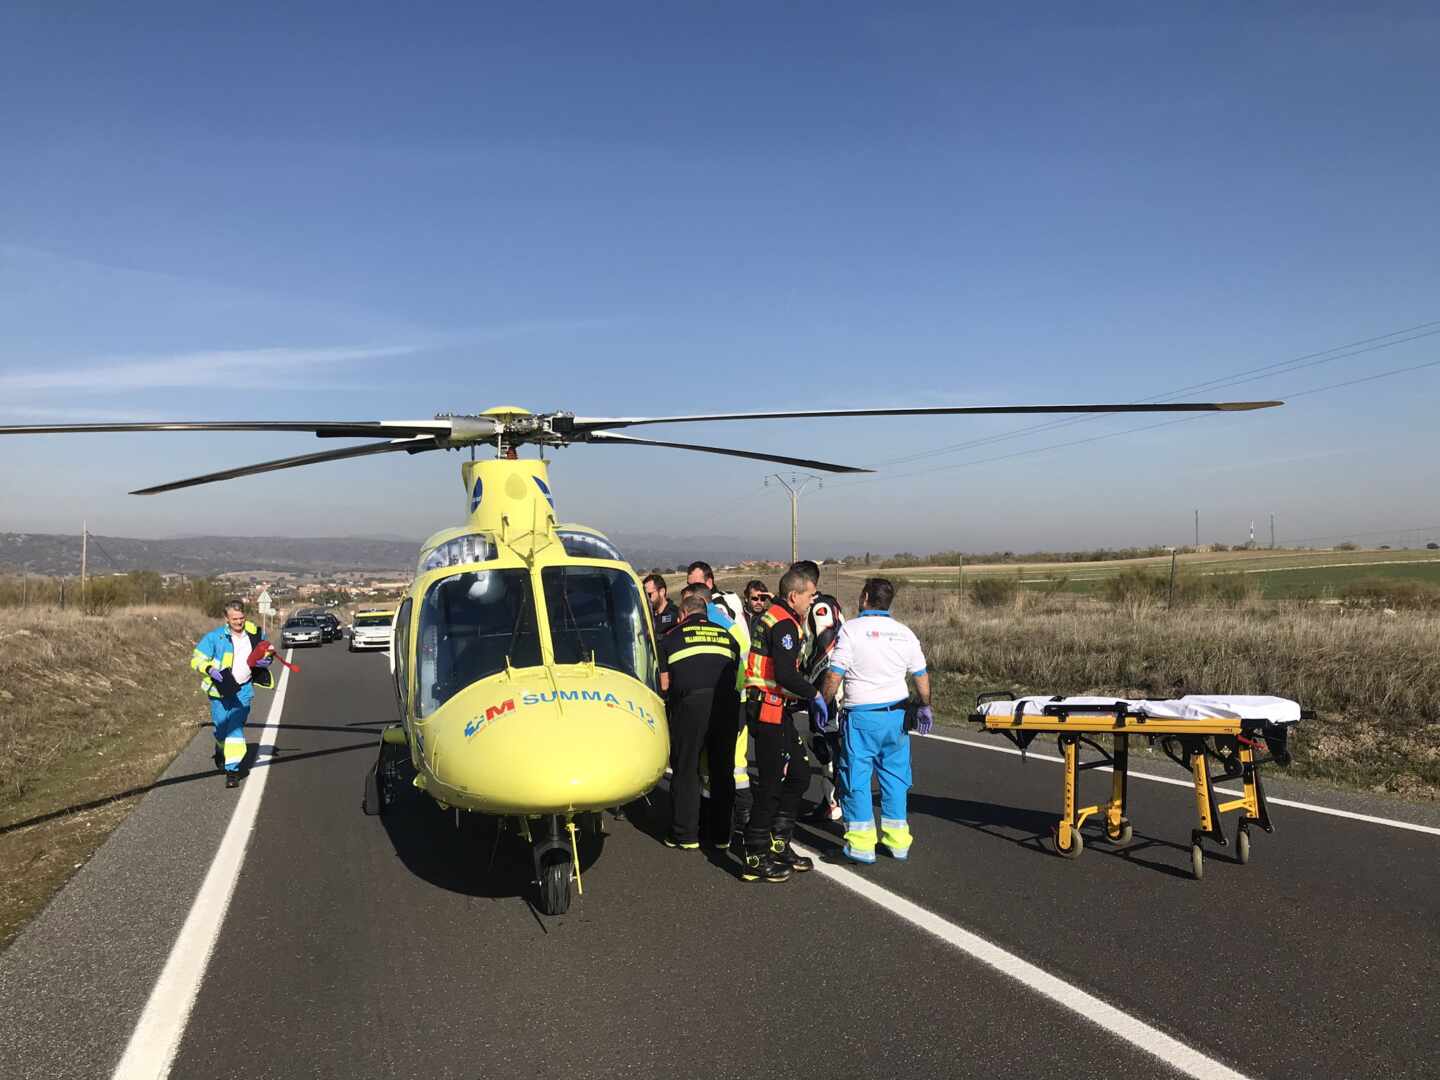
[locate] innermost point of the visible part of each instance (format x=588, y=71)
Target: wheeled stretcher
x=1239, y=733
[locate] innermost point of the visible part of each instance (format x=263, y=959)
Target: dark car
x=302, y=630
x=329, y=626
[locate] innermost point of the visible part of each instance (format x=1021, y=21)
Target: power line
x=1280, y=367
x=102, y=551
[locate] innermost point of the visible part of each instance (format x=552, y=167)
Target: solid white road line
x=1371, y=819
x=156, y=1037
x=1136, y=1032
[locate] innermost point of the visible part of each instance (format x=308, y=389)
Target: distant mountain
x=201, y=556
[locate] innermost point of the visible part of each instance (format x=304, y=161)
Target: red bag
x=264, y=649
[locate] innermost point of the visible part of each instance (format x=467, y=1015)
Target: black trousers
x=701, y=721
x=784, y=778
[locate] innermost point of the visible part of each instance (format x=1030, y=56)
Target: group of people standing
x=740, y=672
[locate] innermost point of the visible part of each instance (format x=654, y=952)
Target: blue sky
x=356, y=212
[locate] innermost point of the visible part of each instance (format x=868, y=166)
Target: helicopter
x=523, y=652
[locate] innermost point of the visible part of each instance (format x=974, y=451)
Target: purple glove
x=215, y=673
x=924, y=719
x=820, y=717
x=266, y=662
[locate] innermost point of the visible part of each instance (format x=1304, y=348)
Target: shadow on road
x=279, y=757
x=467, y=853
x=1023, y=826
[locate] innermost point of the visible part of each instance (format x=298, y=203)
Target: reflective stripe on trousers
x=875, y=745
x=228, y=716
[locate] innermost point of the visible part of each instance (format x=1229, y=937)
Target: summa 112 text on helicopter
x=523, y=652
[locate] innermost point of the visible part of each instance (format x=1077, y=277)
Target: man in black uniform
x=774, y=690
x=664, y=612
x=757, y=601
x=699, y=662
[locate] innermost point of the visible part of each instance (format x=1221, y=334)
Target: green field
x=1309, y=575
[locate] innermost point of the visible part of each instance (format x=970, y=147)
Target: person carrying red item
x=223, y=657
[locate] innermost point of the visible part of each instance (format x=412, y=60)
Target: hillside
x=202, y=556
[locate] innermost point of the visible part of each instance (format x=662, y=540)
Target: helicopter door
x=400, y=659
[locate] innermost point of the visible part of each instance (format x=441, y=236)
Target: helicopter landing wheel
x=555, y=883
x=373, y=803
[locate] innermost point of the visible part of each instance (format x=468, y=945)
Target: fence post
x=1170, y=603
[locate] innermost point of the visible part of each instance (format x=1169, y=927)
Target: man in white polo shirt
x=873, y=655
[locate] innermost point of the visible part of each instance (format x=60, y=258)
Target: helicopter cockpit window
x=596, y=611
x=583, y=545
x=469, y=625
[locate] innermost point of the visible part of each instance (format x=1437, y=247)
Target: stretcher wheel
x=1124, y=836
x=1242, y=845
x=1077, y=845
x=1197, y=860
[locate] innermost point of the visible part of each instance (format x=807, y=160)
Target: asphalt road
x=364, y=947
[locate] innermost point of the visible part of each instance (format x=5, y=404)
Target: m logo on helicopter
x=491, y=713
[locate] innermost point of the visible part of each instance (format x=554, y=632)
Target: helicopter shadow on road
x=215, y=775
x=651, y=813
x=473, y=856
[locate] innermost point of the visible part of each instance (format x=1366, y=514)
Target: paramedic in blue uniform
x=223, y=658
x=699, y=663
x=873, y=655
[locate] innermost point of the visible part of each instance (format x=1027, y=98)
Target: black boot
x=781, y=831
x=763, y=866
x=232, y=779
x=782, y=852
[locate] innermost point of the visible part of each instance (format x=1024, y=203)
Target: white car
x=371, y=630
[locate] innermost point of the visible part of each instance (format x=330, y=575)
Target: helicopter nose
x=551, y=751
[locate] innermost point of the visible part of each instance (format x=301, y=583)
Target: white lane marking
x=1136, y=1032
x=1371, y=819
x=156, y=1038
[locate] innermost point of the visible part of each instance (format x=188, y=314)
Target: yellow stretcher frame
x=1241, y=746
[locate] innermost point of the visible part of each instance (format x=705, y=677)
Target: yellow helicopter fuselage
x=524, y=659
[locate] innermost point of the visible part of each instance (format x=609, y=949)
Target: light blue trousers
x=228, y=716
x=875, y=745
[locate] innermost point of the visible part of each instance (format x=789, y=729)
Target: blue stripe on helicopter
x=477, y=494
x=544, y=490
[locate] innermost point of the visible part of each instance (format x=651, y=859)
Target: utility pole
x=795, y=485
x=84, y=553
x=1197, y=530
x=1272, y=532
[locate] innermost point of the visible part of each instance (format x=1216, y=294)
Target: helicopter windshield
x=469, y=624
x=597, y=611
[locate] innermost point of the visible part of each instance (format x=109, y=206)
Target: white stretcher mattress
x=1276, y=710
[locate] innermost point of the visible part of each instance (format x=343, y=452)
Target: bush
x=1138, y=587
x=992, y=590
x=1398, y=593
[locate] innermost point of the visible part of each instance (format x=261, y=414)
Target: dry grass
x=1374, y=678
x=90, y=708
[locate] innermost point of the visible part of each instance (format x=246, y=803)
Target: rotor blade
x=413, y=446
x=460, y=427
x=804, y=463
x=588, y=423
